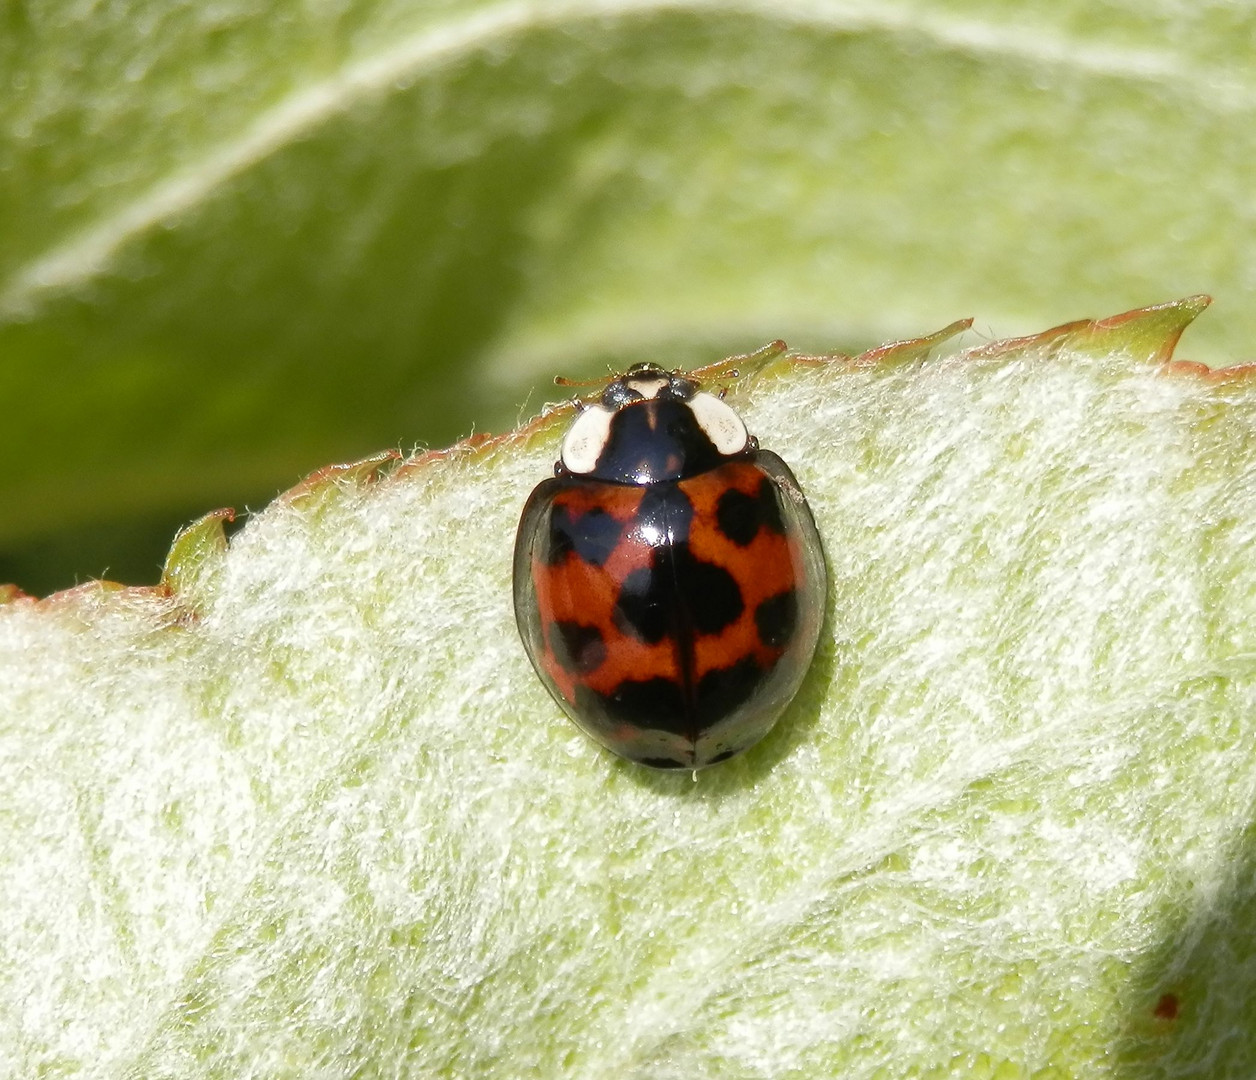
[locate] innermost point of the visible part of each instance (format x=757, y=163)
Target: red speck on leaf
x=1167, y=1007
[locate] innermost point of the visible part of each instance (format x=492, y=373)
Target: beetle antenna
x=562, y=380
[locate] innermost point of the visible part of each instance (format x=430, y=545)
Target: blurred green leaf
x=242, y=241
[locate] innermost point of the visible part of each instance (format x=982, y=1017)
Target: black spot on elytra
x=711, y=593
x=645, y=607
x=664, y=515
x=662, y=763
x=649, y=703
x=591, y=536
x=721, y=691
x=741, y=516
x=770, y=507
x=737, y=515
x=776, y=619
x=722, y=756
x=577, y=648
x=675, y=593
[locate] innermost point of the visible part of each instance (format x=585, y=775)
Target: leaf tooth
x=1152, y=332
x=912, y=349
x=196, y=547
x=331, y=478
x=1147, y=333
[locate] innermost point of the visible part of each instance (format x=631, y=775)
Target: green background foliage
x=241, y=241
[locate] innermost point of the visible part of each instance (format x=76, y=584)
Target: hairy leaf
x=304, y=809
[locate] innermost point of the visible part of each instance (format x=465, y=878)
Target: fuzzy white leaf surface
x=313, y=815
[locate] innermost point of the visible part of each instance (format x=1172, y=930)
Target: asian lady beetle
x=669, y=580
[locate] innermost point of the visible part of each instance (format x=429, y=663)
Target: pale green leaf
x=305, y=810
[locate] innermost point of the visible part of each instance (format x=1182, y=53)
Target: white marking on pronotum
x=721, y=423
x=649, y=386
x=586, y=438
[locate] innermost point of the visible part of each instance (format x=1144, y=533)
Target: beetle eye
x=682, y=389
x=619, y=394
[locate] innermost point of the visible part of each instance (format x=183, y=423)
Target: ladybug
x=669, y=581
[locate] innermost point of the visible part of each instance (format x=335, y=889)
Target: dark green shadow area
x=1192, y=1004
x=132, y=552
